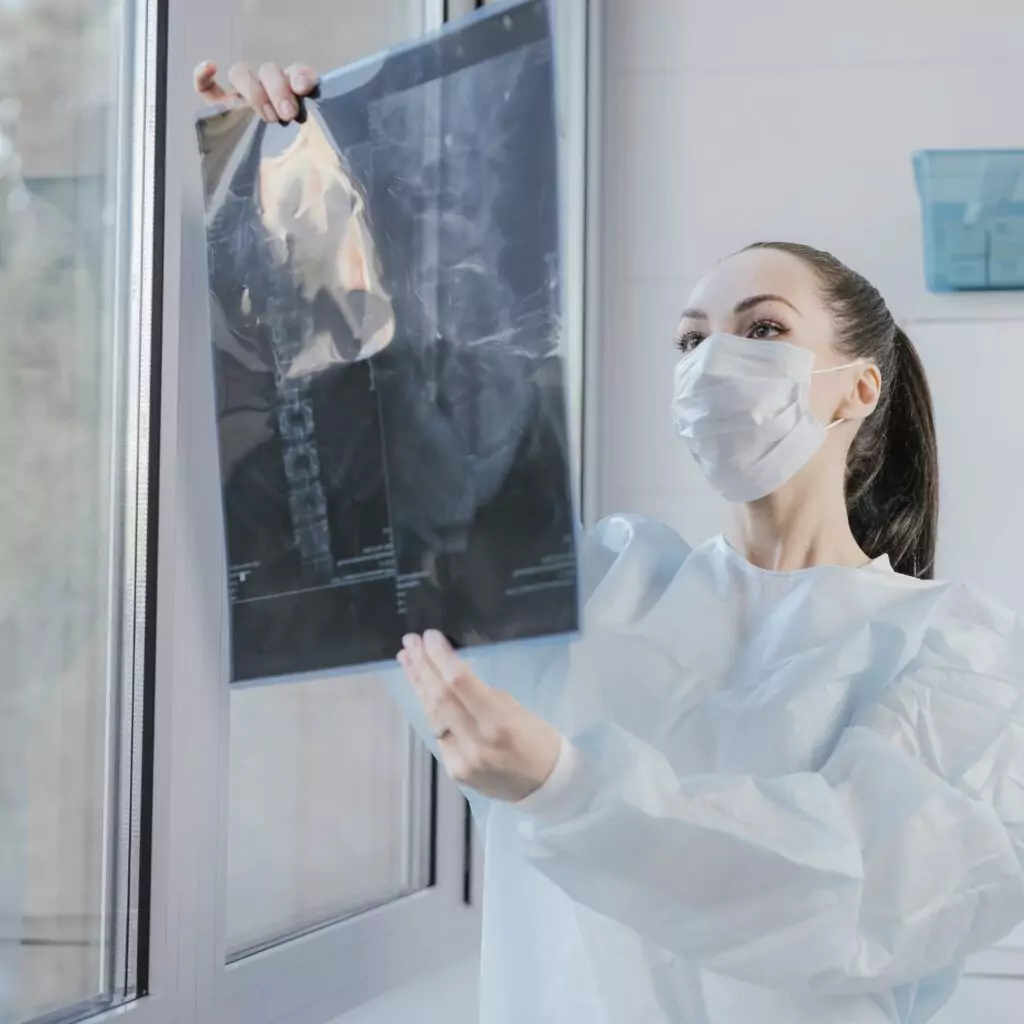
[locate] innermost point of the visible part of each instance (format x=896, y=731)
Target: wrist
x=549, y=794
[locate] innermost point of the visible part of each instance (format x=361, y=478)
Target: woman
x=780, y=780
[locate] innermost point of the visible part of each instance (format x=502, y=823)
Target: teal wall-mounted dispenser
x=972, y=209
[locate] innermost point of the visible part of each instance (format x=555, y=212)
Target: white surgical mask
x=743, y=408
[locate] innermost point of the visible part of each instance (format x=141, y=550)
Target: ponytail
x=893, y=487
x=892, y=468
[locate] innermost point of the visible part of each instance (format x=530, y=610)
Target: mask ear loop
x=836, y=369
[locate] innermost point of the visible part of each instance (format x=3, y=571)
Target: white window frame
x=299, y=979
x=592, y=286
x=320, y=975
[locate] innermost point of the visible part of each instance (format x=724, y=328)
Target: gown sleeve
x=900, y=857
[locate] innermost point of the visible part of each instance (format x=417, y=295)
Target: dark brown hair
x=892, y=472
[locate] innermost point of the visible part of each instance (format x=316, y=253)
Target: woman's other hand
x=271, y=92
x=487, y=740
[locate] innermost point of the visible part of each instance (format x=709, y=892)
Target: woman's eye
x=765, y=330
x=688, y=342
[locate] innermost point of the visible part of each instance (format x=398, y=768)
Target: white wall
x=735, y=120
x=729, y=121
x=985, y=1001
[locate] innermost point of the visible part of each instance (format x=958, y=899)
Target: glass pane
x=330, y=795
x=62, y=442
x=329, y=808
x=345, y=29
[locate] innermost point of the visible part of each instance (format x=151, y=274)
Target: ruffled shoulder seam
x=627, y=563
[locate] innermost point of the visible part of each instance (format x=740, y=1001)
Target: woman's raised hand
x=272, y=92
x=486, y=739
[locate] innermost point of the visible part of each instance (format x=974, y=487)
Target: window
x=329, y=804
x=328, y=809
x=316, y=803
x=306, y=854
x=345, y=29
x=323, y=865
x=75, y=235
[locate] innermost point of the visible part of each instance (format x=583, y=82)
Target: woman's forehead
x=756, y=272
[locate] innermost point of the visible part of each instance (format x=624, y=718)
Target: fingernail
x=433, y=638
x=304, y=81
x=291, y=109
x=410, y=641
x=269, y=113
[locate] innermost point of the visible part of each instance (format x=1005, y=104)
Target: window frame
x=132, y=923
x=145, y=932
x=297, y=979
x=186, y=727
x=188, y=978
x=592, y=285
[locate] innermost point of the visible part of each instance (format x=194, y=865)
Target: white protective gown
x=789, y=798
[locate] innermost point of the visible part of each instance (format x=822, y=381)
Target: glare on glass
x=66, y=382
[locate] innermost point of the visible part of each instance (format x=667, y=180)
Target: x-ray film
x=385, y=314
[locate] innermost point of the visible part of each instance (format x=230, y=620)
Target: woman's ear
x=864, y=396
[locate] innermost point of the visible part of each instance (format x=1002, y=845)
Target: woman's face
x=773, y=296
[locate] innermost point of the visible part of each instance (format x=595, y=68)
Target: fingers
x=476, y=695
x=204, y=79
x=272, y=93
x=303, y=79
x=486, y=740
x=441, y=703
x=252, y=91
x=278, y=89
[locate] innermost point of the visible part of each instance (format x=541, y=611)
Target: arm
x=871, y=873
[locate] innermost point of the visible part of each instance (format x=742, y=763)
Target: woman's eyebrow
x=742, y=307
x=756, y=300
